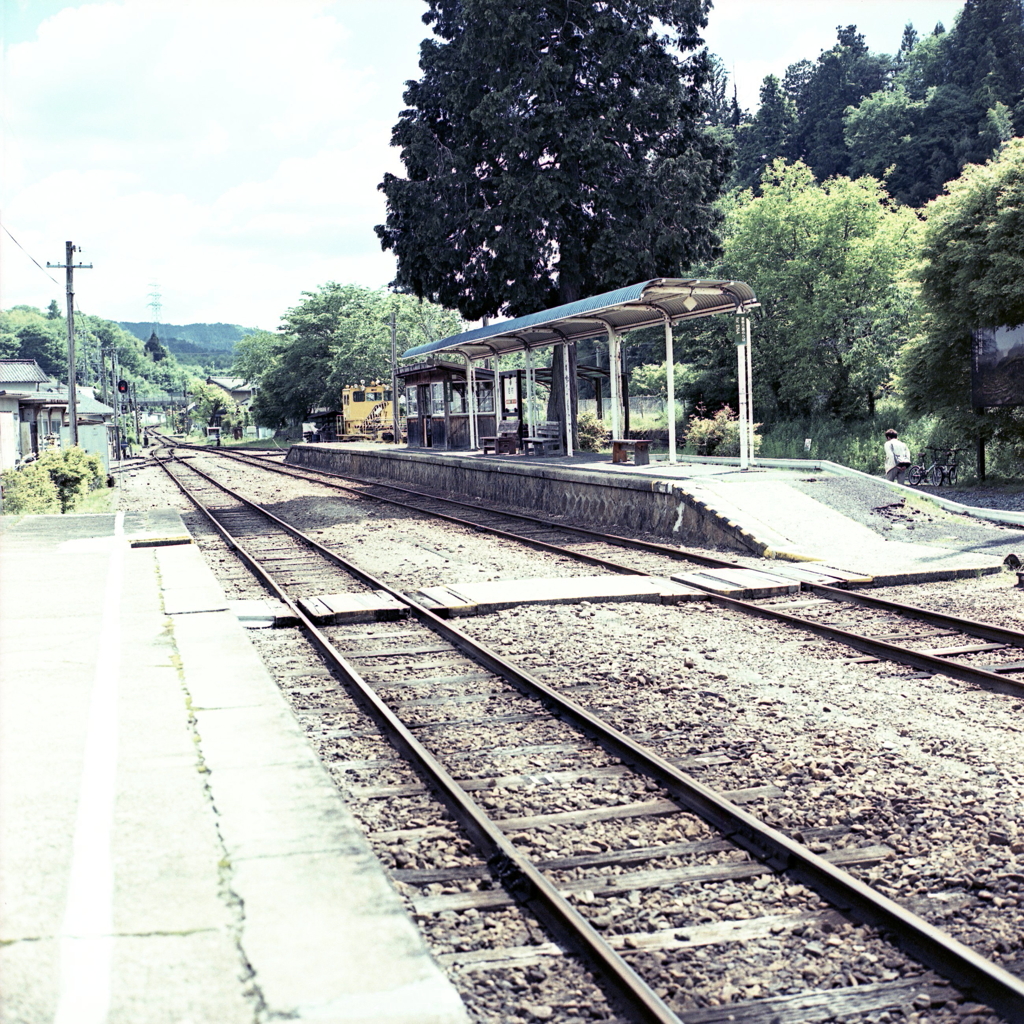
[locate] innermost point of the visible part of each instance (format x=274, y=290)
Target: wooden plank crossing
x=497, y=595
x=744, y=584
x=823, y=575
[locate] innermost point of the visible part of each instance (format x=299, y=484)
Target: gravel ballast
x=928, y=766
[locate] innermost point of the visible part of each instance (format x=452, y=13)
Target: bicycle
x=943, y=469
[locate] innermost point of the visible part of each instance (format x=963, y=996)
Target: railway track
x=982, y=654
x=627, y=876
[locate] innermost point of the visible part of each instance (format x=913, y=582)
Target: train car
x=366, y=411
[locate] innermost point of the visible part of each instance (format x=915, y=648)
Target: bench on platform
x=505, y=442
x=548, y=436
x=622, y=447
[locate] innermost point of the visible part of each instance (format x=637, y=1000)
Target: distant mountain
x=211, y=337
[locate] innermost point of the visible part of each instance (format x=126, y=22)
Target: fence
x=651, y=406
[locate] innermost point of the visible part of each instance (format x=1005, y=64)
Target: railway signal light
x=122, y=387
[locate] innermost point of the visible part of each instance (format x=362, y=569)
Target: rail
x=968, y=970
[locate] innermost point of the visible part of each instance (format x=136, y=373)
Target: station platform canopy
x=626, y=309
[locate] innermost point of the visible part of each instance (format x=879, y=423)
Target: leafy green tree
x=829, y=263
x=254, y=356
x=553, y=150
x=211, y=402
x=652, y=379
x=973, y=265
x=27, y=333
x=337, y=336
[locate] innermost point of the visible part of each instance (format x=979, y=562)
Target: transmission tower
x=154, y=302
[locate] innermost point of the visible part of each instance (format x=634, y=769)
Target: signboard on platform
x=997, y=366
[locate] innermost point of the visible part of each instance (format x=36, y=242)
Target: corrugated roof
x=625, y=309
x=86, y=403
x=21, y=371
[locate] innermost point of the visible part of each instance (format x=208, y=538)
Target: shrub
x=73, y=472
x=718, y=434
x=29, y=491
x=590, y=432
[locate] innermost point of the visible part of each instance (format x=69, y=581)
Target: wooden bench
x=622, y=447
x=548, y=436
x=505, y=442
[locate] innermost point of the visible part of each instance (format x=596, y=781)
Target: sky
x=225, y=154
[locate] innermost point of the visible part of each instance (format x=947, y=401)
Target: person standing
x=897, y=457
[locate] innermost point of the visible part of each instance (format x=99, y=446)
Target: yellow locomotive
x=366, y=411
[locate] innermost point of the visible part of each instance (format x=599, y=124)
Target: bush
x=74, y=472
x=591, y=433
x=56, y=482
x=718, y=434
x=859, y=443
x=29, y=491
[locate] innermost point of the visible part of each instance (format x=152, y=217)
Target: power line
x=30, y=256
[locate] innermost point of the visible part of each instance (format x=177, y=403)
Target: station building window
x=485, y=396
x=457, y=405
x=437, y=398
x=412, y=405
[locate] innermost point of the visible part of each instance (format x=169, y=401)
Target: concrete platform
x=171, y=849
x=759, y=512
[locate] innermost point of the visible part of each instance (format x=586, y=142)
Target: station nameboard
x=997, y=366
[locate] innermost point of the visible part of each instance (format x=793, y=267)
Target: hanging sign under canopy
x=646, y=304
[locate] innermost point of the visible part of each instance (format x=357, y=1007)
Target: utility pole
x=138, y=425
x=69, y=266
x=396, y=426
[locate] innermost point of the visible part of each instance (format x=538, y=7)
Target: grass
x=97, y=501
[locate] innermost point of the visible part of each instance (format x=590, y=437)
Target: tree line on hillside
x=29, y=333
x=913, y=120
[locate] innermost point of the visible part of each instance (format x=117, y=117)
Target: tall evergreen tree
x=765, y=137
x=842, y=77
x=553, y=149
x=955, y=99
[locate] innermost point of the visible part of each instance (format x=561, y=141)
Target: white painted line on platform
x=87, y=934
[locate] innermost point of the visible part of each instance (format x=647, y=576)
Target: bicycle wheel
x=951, y=472
x=915, y=475
x=935, y=474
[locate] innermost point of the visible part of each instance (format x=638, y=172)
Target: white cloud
x=228, y=149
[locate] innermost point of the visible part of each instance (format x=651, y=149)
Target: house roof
x=230, y=383
x=85, y=405
x=21, y=371
x=626, y=309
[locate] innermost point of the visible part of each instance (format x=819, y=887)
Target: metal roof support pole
x=615, y=372
x=670, y=380
x=750, y=394
x=530, y=393
x=471, y=400
x=567, y=388
x=741, y=377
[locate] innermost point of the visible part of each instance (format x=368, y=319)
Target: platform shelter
x=664, y=301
